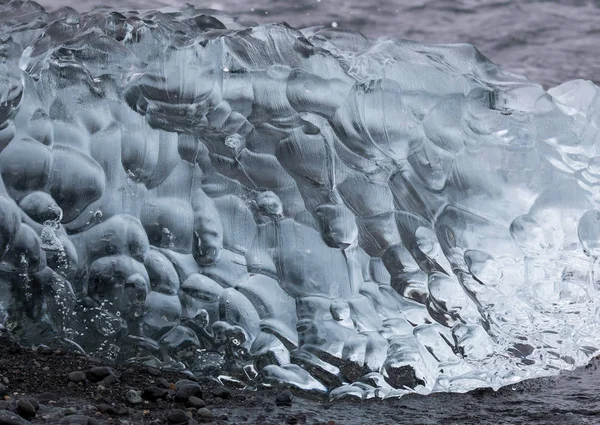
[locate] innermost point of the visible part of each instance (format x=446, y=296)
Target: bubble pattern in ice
x=263, y=204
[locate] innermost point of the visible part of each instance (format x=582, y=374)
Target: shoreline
x=57, y=387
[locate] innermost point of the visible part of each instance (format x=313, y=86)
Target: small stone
x=221, y=392
x=184, y=392
x=284, y=398
x=10, y=418
x=183, y=382
x=196, y=402
x=205, y=415
x=2, y=390
x=5, y=380
x=34, y=403
x=46, y=368
x=70, y=411
x=122, y=410
x=78, y=420
x=98, y=373
x=133, y=397
x=154, y=393
x=130, y=371
x=47, y=397
x=77, y=377
x=164, y=383
x=177, y=417
x=105, y=408
x=109, y=380
x=153, y=371
x=25, y=409
x=37, y=364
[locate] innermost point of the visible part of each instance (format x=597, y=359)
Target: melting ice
x=267, y=205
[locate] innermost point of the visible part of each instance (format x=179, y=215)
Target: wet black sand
x=45, y=383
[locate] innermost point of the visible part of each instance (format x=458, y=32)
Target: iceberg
x=310, y=207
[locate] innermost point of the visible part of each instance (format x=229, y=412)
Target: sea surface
x=549, y=41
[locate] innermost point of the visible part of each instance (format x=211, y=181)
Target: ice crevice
x=309, y=207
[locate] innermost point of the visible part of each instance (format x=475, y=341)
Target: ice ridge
x=264, y=204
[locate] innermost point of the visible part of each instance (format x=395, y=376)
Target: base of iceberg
x=310, y=207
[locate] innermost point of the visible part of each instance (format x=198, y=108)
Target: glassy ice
x=265, y=204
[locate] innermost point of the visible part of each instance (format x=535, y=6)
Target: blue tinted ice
x=265, y=204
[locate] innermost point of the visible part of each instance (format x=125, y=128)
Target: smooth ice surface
x=264, y=204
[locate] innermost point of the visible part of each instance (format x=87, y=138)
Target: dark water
x=550, y=42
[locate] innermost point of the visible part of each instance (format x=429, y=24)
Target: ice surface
x=263, y=204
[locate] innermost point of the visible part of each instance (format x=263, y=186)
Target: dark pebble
x=153, y=371
x=101, y=372
x=4, y=405
x=109, y=380
x=183, y=382
x=186, y=391
x=2, y=390
x=79, y=420
x=205, y=415
x=153, y=393
x=221, y=392
x=196, y=402
x=46, y=397
x=111, y=410
x=177, y=417
x=164, y=383
x=122, y=410
x=25, y=409
x=34, y=403
x=284, y=398
x=131, y=371
x=10, y=418
x=77, y=376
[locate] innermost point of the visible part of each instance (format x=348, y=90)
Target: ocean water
x=549, y=41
